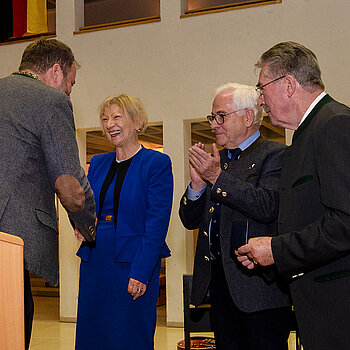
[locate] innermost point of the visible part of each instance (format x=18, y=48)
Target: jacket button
x=205, y=233
x=225, y=166
x=184, y=200
x=218, y=190
x=224, y=194
x=206, y=258
x=211, y=210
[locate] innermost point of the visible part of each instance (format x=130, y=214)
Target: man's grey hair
x=243, y=97
x=294, y=59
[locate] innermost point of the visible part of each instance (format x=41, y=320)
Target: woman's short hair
x=132, y=106
x=243, y=97
x=295, y=59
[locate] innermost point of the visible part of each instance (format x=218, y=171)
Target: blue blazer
x=144, y=210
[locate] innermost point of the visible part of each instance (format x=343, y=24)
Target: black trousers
x=28, y=309
x=237, y=330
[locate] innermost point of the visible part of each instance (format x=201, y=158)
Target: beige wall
x=173, y=66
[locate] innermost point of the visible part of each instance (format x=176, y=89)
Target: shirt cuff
x=193, y=195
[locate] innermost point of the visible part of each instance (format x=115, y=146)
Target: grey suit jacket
x=313, y=249
x=247, y=190
x=37, y=144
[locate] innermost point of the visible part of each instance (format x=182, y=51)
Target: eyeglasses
x=220, y=117
x=260, y=89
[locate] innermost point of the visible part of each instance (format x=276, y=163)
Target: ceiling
x=97, y=143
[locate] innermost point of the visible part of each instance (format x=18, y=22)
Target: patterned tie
x=235, y=153
x=215, y=249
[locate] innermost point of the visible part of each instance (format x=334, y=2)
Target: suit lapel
x=252, y=147
x=326, y=99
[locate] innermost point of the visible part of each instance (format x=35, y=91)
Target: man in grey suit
x=312, y=250
x=233, y=196
x=39, y=157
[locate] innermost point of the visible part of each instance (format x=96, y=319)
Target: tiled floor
x=50, y=334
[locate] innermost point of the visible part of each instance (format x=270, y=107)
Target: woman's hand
x=78, y=235
x=136, y=288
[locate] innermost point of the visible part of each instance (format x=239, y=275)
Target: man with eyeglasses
x=312, y=250
x=233, y=195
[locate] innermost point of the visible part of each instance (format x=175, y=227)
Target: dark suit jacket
x=37, y=145
x=247, y=190
x=314, y=226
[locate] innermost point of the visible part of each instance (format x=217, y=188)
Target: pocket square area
x=332, y=276
x=239, y=234
x=302, y=180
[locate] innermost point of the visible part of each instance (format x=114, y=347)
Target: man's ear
x=291, y=85
x=249, y=117
x=56, y=73
x=53, y=76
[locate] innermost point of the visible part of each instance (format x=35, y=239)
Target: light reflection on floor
x=50, y=334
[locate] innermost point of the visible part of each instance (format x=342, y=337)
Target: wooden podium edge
x=5, y=237
x=11, y=293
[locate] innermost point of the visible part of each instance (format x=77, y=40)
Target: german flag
x=22, y=17
x=19, y=12
x=36, y=16
x=6, y=20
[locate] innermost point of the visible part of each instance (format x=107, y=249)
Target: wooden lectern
x=11, y=293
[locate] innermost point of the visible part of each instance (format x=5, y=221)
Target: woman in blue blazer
x=119, y=276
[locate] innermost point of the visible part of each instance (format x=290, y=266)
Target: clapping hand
x=207, y=166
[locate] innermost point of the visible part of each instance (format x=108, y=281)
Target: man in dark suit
x=312, y=250
x=39, y=158
x=233, y=195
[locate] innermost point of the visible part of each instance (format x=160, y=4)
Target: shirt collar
x=247, y=142
x=311, y=107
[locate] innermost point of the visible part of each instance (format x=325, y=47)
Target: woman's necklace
x=26, y=74
x=119, y=161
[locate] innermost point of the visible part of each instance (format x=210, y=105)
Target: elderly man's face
x=272, y=97
x=234, y=130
